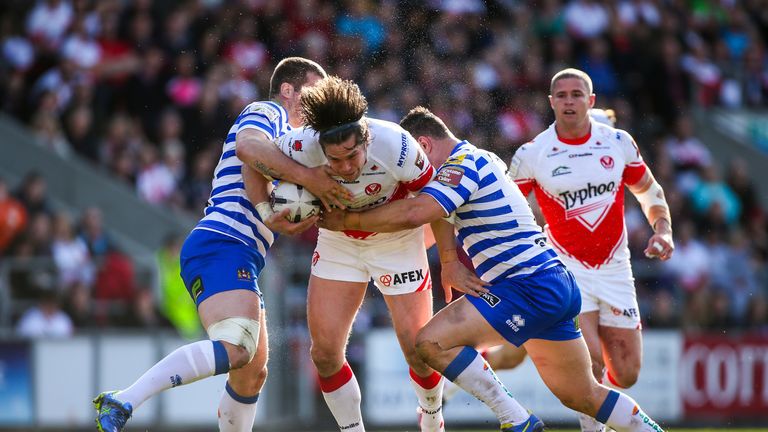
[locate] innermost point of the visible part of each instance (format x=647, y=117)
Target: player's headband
x=338, y=130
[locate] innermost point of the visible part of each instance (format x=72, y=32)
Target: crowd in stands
x=146, y=91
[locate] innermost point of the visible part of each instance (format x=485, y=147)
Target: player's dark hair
x=293, y=70
x=422, y=122
x=335, y=108
x=571, y=73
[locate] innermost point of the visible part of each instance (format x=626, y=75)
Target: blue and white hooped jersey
x=494, y=221
x=229, y=211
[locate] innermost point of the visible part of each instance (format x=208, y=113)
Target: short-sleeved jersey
x=494, y=221
x=229, y=211
x=396, y=165
x=579, y=185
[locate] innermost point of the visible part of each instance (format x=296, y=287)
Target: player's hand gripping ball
x=301, y=203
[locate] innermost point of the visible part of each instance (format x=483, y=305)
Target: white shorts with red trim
x=397, y=262
x=612, y=293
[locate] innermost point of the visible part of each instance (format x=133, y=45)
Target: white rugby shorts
x=612, y=293
x=397, y=262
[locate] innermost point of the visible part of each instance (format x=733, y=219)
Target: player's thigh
x=622, y=351
x=409, y=314
x=589, y=326
x=228, y=304
x=506, y=356
x=331, y=309
x=248, y=380
x=564, y=366
x=459, y=324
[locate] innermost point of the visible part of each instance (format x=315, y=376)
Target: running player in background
x=577, y=169
x=220, y=262
x=524, y=294
x=508, y=356
x=378, y=162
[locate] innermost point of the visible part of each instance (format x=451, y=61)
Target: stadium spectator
x=13, y=218
x=70, y=253
x=45, y=319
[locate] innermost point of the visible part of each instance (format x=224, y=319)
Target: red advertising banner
x=724, y=376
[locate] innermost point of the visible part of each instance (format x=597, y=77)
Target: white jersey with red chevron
x=395, y=167
x=579, y=185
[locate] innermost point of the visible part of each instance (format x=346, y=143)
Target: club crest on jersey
x=450, y=176
x=372, y=189
x=419, y=160
x=297, y=146
x=243, y=274
x=561, y=170
x=606, y=162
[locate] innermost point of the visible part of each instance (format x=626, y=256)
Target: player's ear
x=425, y=143
x=286, y=90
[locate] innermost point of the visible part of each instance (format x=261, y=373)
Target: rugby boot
x=533, y=424
x=111, y=414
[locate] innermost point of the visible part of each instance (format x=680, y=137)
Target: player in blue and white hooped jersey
x=220, y=263
x=523, y=295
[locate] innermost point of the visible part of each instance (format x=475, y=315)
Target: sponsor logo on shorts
x=491, y=299
x=244, y=275
x=373, y=189
x=197, y=288
x=315, y=258
x=297, y=146
x=516, y=322
x=401, y=278
x=629, y=313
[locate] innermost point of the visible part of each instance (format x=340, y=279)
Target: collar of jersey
x=575, y=141
x=458, y=146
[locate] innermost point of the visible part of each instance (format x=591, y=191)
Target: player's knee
x=574, y=401
x=597, y=369
x=626, y=376
x=426, y=348
x=326, y=361
x=241, y=338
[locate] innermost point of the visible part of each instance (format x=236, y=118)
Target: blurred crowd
x=146, y=91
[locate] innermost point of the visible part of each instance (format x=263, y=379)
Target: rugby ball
x=301, y=203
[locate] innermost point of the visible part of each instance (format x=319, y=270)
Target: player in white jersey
x=378, y=162
x=577, y=169
x=524, y=295
x=221, y=260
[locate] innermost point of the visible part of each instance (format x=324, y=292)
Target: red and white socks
x=342, y=395
x=429, y=391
